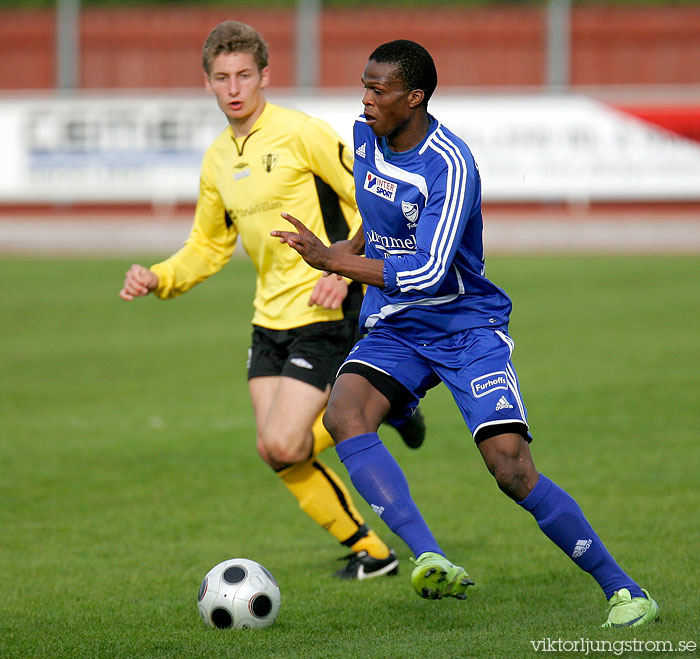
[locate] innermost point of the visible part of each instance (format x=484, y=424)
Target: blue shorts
x=475, y=366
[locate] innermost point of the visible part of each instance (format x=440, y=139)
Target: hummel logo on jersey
x=581, y=548
x=503, y=404
x=301, y=363
x=377, y=509
x=361, y=150
x=389, y=243
x=380, y=186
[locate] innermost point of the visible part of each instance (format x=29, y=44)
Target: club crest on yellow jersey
x=269, y=160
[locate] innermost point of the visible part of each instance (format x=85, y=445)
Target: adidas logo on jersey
x=581, y=548
x=361, y=150
x=503, y=404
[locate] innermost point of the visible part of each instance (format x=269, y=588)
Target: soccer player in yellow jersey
x=270, y=159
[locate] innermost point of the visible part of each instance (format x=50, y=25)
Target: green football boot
x=434, y=577
x=627, y=611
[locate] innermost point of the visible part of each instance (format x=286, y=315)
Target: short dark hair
x=416, y=68
x=234, y=37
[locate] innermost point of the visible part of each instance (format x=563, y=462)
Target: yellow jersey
x=288, y=162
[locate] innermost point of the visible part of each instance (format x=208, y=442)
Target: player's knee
x=506, y=475
x=332, y=420
x=265, y=454
x=261, y=450
x=280, y=454
x=508, y=458
x=284, y=449
x=513, y=477
x=342, y=422
x=349, y=414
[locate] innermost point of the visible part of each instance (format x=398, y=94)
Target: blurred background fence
x=132, y=46
x=562, y=102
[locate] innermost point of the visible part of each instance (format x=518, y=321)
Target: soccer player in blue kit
x=431, y=315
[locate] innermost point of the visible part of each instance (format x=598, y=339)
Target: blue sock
x=562, y=521
x=379, y=479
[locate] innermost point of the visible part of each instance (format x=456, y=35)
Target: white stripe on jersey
x=446, y=228
x=392, y=252
x=389, y=309
x=430, y=137
x=396, y=172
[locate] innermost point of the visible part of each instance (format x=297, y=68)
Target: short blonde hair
x=233, y=37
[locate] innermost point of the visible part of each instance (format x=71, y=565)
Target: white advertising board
x=147, y=148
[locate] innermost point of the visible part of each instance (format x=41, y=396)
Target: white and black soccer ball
x=239, y=594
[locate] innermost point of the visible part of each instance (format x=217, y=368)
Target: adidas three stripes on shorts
x=475, y=366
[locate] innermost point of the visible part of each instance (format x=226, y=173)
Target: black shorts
x=311, y=353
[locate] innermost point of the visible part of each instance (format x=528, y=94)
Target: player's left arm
x=438, y=234
x=209, y=246
x=327, y=259
x=354, y=245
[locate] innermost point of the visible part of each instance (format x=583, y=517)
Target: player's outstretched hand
x=355, y=245
x=139, y=281
x=329, y=292
x=304, y=241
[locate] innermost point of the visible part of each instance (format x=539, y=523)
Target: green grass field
x=128, y=469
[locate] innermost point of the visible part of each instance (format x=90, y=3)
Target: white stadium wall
x=147, y=148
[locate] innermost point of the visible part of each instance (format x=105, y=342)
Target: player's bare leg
x=355, y=410
x=561, y=519
x=509, y=460
x=287, y=412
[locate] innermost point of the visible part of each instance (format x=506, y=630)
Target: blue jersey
x=421, y=213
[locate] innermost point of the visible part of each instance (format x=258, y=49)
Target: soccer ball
x=238, y=594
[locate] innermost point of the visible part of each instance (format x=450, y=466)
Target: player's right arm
x=139, y=281
x=339, y=261
x=209, y=246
